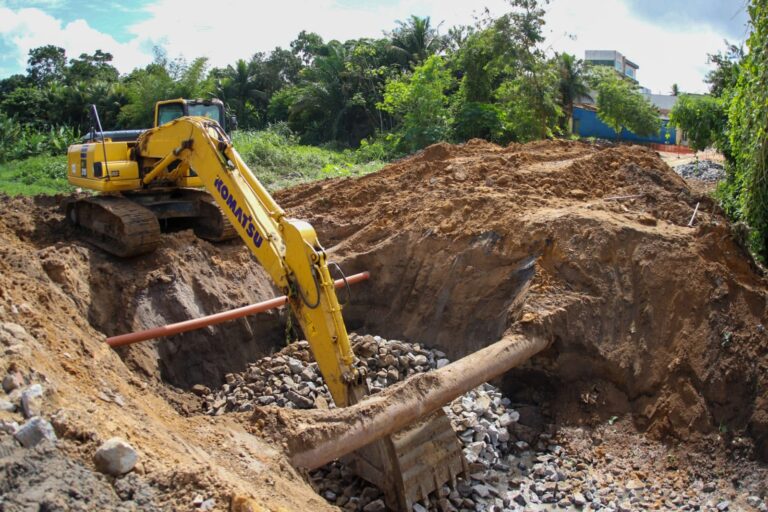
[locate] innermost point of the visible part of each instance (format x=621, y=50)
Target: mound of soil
x=59, y=298
x=587, y=245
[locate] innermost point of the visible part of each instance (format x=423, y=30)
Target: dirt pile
x=656, y=323
x=587, y=245
x=58, y=299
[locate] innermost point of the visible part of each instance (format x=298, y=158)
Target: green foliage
x=748, y=128
x=89, y=68
x=389, y=95
x=28, y=105
x=35, y=175
x=702, y=118
x=474, y=119
x=19, y=141
x=164, y=79
x=419, y=100
x=46, y=64
x=416, y=40
x=530, y=104
x=620, y=105
x=726, y=72
x=278, y=160
x=572, y=84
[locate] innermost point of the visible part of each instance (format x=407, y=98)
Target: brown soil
x=68, y=295
x=647, y=318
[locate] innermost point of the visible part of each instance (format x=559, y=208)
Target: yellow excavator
x=137, y=204
x=156, y=177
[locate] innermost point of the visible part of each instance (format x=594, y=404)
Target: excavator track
x=115, y=224
x=212, y=224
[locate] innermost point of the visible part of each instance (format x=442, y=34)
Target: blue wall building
x=587, y=124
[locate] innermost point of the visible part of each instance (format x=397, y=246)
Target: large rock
x=35, y=431
x=115, y=457
x=11, y=381
x=31, y=400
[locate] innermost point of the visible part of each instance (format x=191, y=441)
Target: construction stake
x=695, y=211
x=199, y=323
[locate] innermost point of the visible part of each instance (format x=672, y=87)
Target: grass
x=279, y=161
x=276, y=158
x=35, y=175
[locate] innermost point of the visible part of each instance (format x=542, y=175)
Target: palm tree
x=322, y=98
x=238, y=89
x=572, y=84
x=416, y=40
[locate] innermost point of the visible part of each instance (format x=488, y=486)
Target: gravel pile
x=704, y=170
x=510, y=468
x=481, y=418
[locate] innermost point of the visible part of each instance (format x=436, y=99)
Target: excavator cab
x=168, y=110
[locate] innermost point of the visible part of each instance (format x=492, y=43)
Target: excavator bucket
x=412, y=463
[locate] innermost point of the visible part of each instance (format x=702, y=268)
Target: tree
x=13, y=82
x=46, y=64
x=702, y=118
x=162, y=80
x=726, y=71
x=307, y=46
x=419, y=100
x=28, y=105
x=238, y=89
x=498, y=57
x=747, y=114
x=88, y=68
x=675, y=90
x=530, y=104
x=620, y=105
x=416, y=40
x=572, y=84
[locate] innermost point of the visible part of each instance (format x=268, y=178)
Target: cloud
x=24, y=29
x=669, y=44
x=727, y=16
x=665, y=54
x=242, y=27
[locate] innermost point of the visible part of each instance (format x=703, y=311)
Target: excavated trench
x=611, y=354
x=648, y=318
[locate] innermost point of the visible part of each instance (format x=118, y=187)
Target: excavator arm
x=406, y=465
x=288, y=249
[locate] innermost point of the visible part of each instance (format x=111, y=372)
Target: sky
x=668, y=39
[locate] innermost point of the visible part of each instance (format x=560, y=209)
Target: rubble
x=481, y=418
x=704, y=170
x=115, y=457
x=31, y=400
x=35, y=431
x=506, y=472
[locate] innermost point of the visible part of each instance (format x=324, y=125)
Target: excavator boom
x=288, y=249
x=195, y=151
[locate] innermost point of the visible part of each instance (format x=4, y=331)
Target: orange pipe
x=217, y=318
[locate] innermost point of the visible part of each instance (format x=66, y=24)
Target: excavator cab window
x=209, y=111
x=169, y=112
